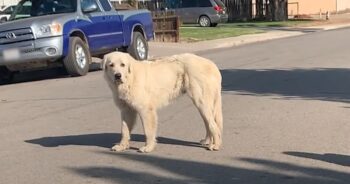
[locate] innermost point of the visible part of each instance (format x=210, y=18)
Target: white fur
x=145, y=87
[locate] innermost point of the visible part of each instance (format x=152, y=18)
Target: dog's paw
x=120, y=147
x=214, y=147
x=205, y=141
x=146, y=149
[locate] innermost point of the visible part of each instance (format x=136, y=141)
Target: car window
x=9, y=10
x=189, y=3
x=105, y=4
x=204, y=3
x=173, y=4
x=220, y=3
x=87, y=3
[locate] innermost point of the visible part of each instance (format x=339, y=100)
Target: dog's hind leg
x=207, y=138
x=214, y=132
x=128, y=121
x=149, y=121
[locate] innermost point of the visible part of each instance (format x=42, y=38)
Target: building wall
x=313, y=6
x=8, y=2
x=343, y=5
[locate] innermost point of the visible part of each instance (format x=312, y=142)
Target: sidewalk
x=164, y=49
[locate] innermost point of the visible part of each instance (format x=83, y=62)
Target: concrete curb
x=163, y=49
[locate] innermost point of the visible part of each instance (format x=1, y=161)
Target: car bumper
x=34, y=50
x=219, y=18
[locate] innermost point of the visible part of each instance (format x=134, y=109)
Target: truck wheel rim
x=80, y=56
x=141, y=48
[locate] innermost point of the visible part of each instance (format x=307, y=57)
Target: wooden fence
x=166, y=26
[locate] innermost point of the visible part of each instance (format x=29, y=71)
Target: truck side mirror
x=89, y=8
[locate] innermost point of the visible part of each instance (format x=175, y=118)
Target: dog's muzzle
x=117, y=76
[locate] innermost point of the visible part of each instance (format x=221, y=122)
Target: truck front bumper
x=43, y=49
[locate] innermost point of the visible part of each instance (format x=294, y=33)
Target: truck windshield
x=34, y=8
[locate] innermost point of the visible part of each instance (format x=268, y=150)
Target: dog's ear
x=104, y=63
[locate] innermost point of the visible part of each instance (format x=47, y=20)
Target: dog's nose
x=117, y=76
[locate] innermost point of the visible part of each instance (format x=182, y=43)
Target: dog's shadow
x=105, y=140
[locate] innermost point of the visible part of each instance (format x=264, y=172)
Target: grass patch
x=192, y=32
x=211, y=33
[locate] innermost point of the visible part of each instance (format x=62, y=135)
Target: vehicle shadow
x=328, y=84
x=39, y=75
x=180, y=171
x=343, y=160
x=281, y=27
x=105, y=140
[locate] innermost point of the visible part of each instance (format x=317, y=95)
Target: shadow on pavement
x=343, y=160
x=281, y=28
x=106, y=140
x=177, y=171
x=328, y=84
x=46, y=74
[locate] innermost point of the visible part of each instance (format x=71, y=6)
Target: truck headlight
x=53, y=29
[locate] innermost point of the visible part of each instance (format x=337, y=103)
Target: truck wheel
x=139, y=47
x=6, y=76
x=78, y=59
x=204, y=21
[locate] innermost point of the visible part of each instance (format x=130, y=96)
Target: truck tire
x=139, y=47
x=78, y=59
x=6, y=76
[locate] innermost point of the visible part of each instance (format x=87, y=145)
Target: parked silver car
x=204, y=12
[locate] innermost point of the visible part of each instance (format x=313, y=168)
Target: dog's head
x=117, y=66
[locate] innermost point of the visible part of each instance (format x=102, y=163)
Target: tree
x=259, y=9
x=239, y=9
x=278, y=10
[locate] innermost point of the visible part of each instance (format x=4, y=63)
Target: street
x=286, y=120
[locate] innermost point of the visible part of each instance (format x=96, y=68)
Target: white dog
x=143, y=87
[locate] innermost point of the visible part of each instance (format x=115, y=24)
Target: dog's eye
x=122, y=65
x=111, y=64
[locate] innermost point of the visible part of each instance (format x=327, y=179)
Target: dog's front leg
x=149, y=121
x=128, y=122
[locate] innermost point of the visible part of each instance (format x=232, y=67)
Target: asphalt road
x=286, y=120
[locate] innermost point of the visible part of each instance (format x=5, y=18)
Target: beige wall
x=343, y=5
x=313, y=6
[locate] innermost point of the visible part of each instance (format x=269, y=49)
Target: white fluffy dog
x=143, y=87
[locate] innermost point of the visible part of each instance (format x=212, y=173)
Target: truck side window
x=89, y=3
x=105, y=4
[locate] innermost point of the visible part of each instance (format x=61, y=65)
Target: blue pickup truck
x=51, y=33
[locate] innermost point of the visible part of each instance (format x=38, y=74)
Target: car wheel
x=6, y=76
x=78, y=59
x=213, y=24
x=139, y=47
x=204, y=21
x=4, y=19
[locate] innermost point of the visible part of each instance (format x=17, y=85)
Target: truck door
x=115, y=25
x=97, y=30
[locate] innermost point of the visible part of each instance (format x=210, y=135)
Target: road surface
x=286, y=120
